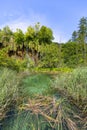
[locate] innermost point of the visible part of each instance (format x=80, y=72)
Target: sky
x=62, y=16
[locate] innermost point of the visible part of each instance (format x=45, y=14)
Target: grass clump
x=74, y=85
x=8, y=89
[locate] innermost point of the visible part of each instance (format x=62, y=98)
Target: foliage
x=80, y=37
x=74, y=36
x=38, y=111
x=11, y=62
x=52, y=70
x=29, y=63
x=45, y=35
x=19, y=37
x=73, y=54
x=50, y=57
x=8, y=89
x=74, y=85
x=29, y=35
x=38, y=43
x=5, y=35
x=82, y=32
x=65, y=109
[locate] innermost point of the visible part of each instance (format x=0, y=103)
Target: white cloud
x=59, y=37
x=18, y=24
x=24, y=21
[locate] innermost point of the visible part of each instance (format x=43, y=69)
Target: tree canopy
x=37, y=43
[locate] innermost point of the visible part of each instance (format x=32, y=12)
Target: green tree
x=6, y=34
x=29, y=36
x=70, y=55
x=82, y=35
x=1, y=34
x=74, y=36
x=45, y=35
x=19, y=37
x=32, y=40
x=49, y=55
x=19, y=40
x=82, y=32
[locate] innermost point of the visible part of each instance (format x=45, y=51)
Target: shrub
x=11, y=62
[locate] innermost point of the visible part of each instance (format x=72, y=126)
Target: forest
x=43, y=84
x=36, y=45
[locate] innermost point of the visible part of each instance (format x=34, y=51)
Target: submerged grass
x=38, y=84
x=40, y=109
x=44, y=113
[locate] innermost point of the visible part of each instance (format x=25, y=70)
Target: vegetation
x=44, y=101
x=8, y=90
x=37, y=44
x=74, y=86
x=43, y=84
x=36, y=84
x=45, y=113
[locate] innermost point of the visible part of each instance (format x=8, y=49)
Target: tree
x=49, y=55
x=19, y=37
x=30, y=34
x=82, y=35
x=82, y=32
x=70, y=56
x=6, y=35
x=45, y=35
x=19, y=40
x=37, y=28
x=1, y=34
x=74, y=36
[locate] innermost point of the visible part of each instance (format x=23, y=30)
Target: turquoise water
x=26, y=121
x=38, y=84
x=31, y=86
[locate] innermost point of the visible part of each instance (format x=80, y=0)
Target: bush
x=11, y=62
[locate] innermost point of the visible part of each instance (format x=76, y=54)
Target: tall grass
x=41, y=111
x=8, y=89
x=73, y=85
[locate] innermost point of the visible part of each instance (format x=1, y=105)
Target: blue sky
x=62, y=16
